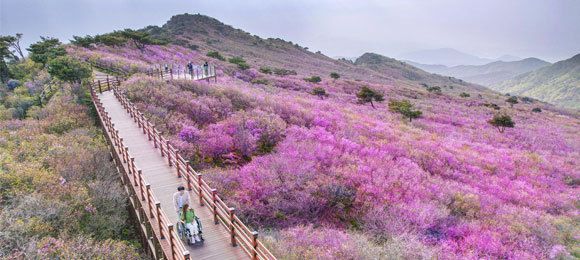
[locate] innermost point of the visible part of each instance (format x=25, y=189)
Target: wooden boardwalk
x=164, y=181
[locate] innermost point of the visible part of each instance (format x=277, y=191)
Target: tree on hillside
x=14, y=43
x=83, y=41
x=46, y=49
x=139, y=38
x=111, y=39
x=334, y=75
x=512, y=100
x=367, y=95
x=313, y=79
x=320, y=92
x=501, y=122
x=68, y=69
x=405, y=108
x=5, y=54
x=435, y=89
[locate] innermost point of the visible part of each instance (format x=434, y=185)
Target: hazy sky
x=548, y=29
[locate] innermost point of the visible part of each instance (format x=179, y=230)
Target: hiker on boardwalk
x=206, y=69
x=190, y=68
x=180, y=198
x=166, y=68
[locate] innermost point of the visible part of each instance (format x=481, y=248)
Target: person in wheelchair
x=191, y=226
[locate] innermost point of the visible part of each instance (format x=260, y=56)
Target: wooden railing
x=240, y=234
x=197, y=73
x=171, y=244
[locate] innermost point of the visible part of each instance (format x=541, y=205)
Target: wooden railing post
x=188, y=175
x=168, y=154
x=140, y=173
x=171, y=242
x=131, y=164
x=161, y=146
x=232, y=227
x=149, y=127
x=158, y=207
x=255, y=245
x=100, y=90
x=149, y=196
x=214, y=199
x=177, y=166
x=199, y=185
x=108, y=84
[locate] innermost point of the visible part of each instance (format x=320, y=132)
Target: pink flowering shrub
x=447, y=184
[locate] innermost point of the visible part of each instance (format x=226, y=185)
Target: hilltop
x=558, y=84
x=205, y=34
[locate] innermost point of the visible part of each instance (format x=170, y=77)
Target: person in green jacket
x=188, y=218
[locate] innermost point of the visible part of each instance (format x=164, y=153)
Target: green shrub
x=537, y=110
x=216, y=55
x=284, y=72
x=240, y=62
x=492, y=105
x=435, y=89
x=463, y=94
x=527, y=100
x=320, y=92
x=405, y=108
x=265, y=70
x=501, y=122
x=367, y=95
x=260, y=81
x=334, y=75
x=313, y=79
x=512, y=100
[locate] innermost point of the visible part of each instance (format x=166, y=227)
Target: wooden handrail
x=142, y=189
x=241, y=234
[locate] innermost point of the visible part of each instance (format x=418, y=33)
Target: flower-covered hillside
x=447, y=183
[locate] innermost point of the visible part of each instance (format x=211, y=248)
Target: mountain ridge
x=558, y=83
x=208, y=34
x=487, y=74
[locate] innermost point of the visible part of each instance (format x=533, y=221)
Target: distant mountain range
x=488, y=74
x=558, y=83
x=450, y=57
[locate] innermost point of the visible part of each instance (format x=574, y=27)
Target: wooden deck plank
x=163, y=180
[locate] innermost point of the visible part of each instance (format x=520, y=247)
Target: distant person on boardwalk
x=166, y=68
x=180, y=198
x=206, y=69
x=190, y=67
